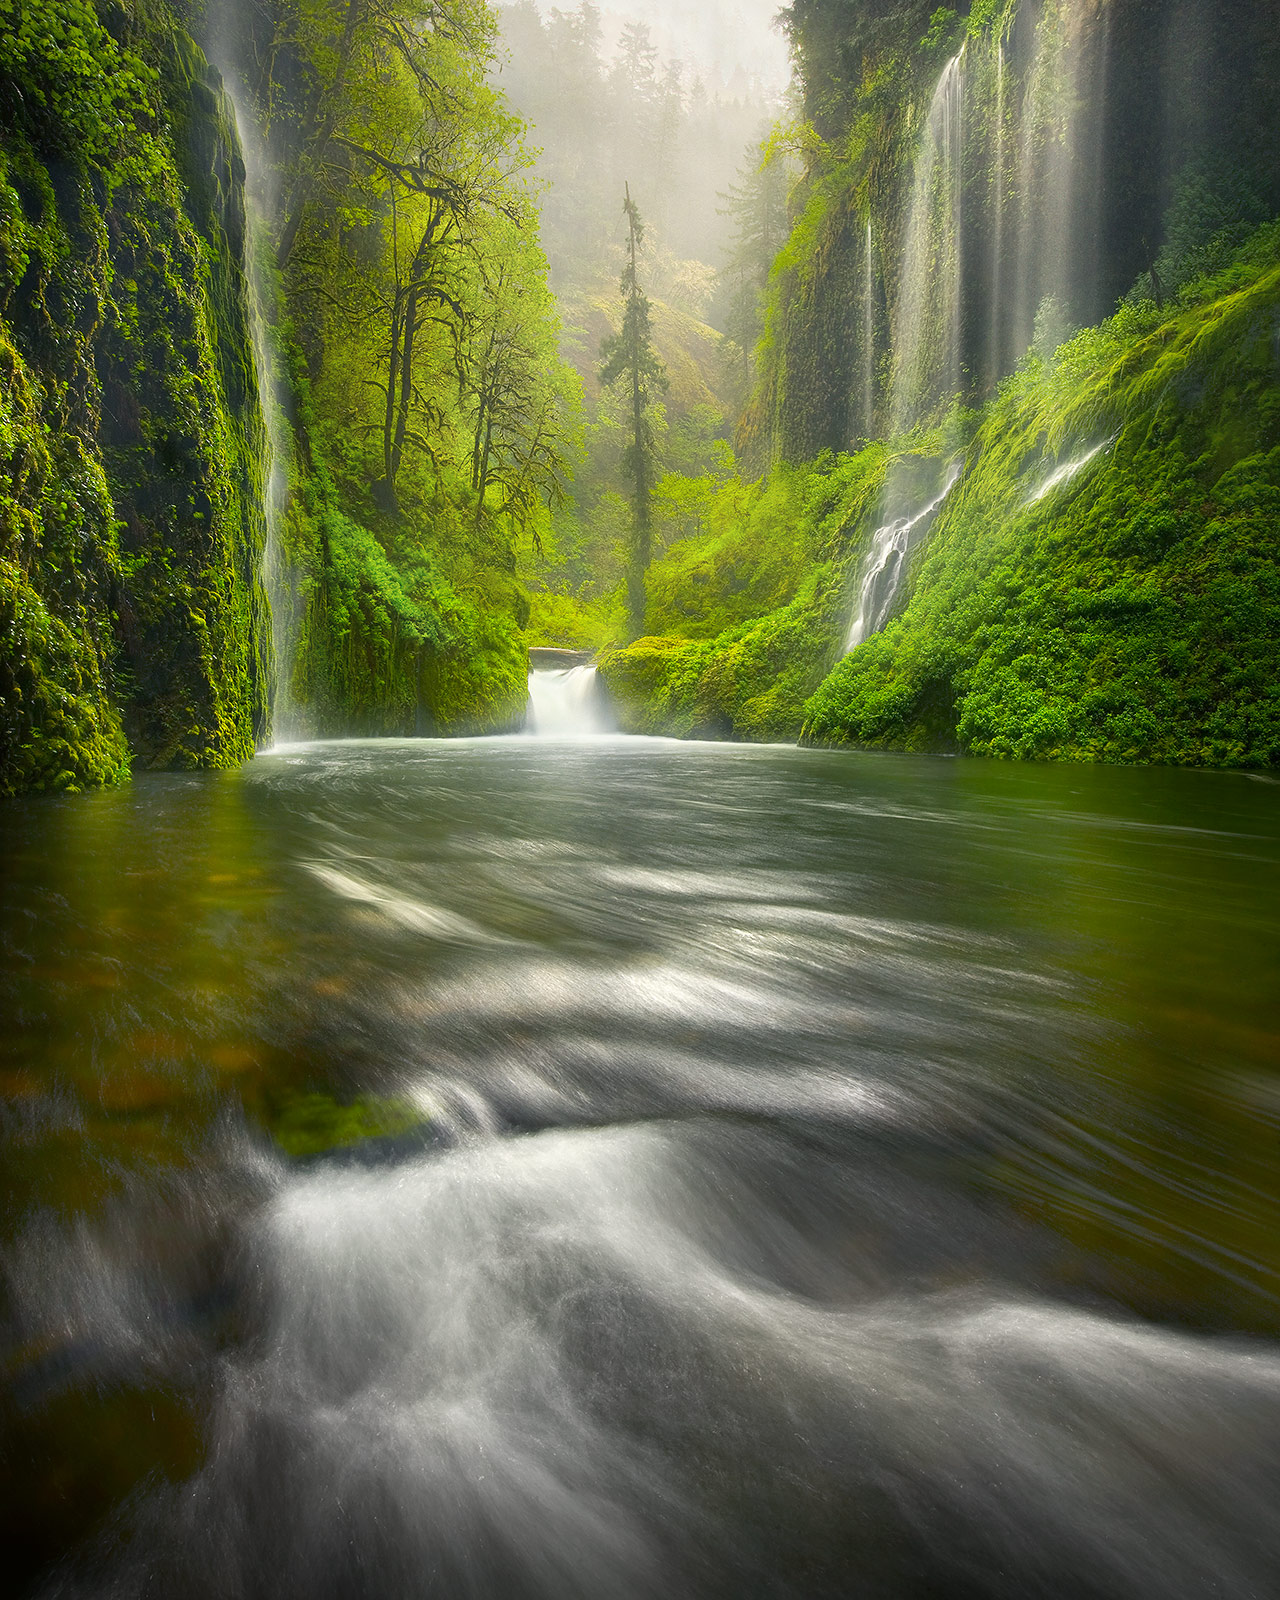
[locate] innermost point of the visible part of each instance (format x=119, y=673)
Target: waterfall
x=278, y=572
x=1008, y=204
x=927, y=337
x=927, y=316
x=566, y=703
x=1060, y=180
x=886, y=560
x=995, y=352
x=1067, y=471
x=869, y=337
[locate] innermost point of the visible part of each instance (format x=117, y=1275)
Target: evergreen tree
x=757, y=205
x=628, y=358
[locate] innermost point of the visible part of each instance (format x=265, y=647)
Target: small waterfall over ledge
x=566, y=698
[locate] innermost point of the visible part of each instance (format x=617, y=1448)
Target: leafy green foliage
x=1131, y=612
x=725, y=670
x=387, y=641
x=65, y=85
x=429, y=421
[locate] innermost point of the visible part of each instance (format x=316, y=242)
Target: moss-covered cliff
x=131, y=606
x=1104, y=581
x=421, y=413
x=1101, y=580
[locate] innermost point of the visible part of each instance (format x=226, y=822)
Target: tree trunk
x=313, y=155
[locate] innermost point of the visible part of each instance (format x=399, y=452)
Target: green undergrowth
x=404, y=628
x=781, y=548
x=1131, y=614
x=750, y=682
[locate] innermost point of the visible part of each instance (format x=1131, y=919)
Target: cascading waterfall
x=1007, y=224
x=886, y=560
x=869, y=333
x=1039, y=133
x=279, y=576
x=928, y=324
x=1059, y=186
x=278, y=570
x=994, y=337
x=566, y=702
x=927, y=321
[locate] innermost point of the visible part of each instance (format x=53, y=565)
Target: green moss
x=315, y=1124
x=59, y=727
x=132, y=529
x=750, y=682
x=1131, y=614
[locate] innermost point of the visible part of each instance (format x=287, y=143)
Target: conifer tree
x=757, y=204
x=629, y=359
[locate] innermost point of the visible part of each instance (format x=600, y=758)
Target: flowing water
x=1064, y=474
x=884, y=565
x=566, y=703
x=512, y=1168
x=927, y=369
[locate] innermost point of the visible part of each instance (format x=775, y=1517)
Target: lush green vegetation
x=131, y=529
x=1133, y=612
x=438, y=462
x=1127, y=613
x=424, y=415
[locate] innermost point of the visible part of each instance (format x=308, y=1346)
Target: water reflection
x=639, y=1168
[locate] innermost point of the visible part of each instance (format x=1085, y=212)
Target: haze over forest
x=719, y=40
x=639, y=849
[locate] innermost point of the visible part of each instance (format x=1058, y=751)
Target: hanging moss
x=1131, y=612
x=132, y=519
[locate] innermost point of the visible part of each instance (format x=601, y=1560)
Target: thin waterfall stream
x=280, y=576
x=1068, y=470
x=884, y=566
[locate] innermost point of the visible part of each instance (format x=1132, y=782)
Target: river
x=508, y=1169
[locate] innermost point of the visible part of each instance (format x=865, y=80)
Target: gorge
x=639, y=925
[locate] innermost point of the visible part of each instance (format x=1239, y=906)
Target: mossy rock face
x=59, y=723
x=1130, y=613
x=751, y=682
x=131, y=530
x=386, y=646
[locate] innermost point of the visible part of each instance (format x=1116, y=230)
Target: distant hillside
x=689, y=348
